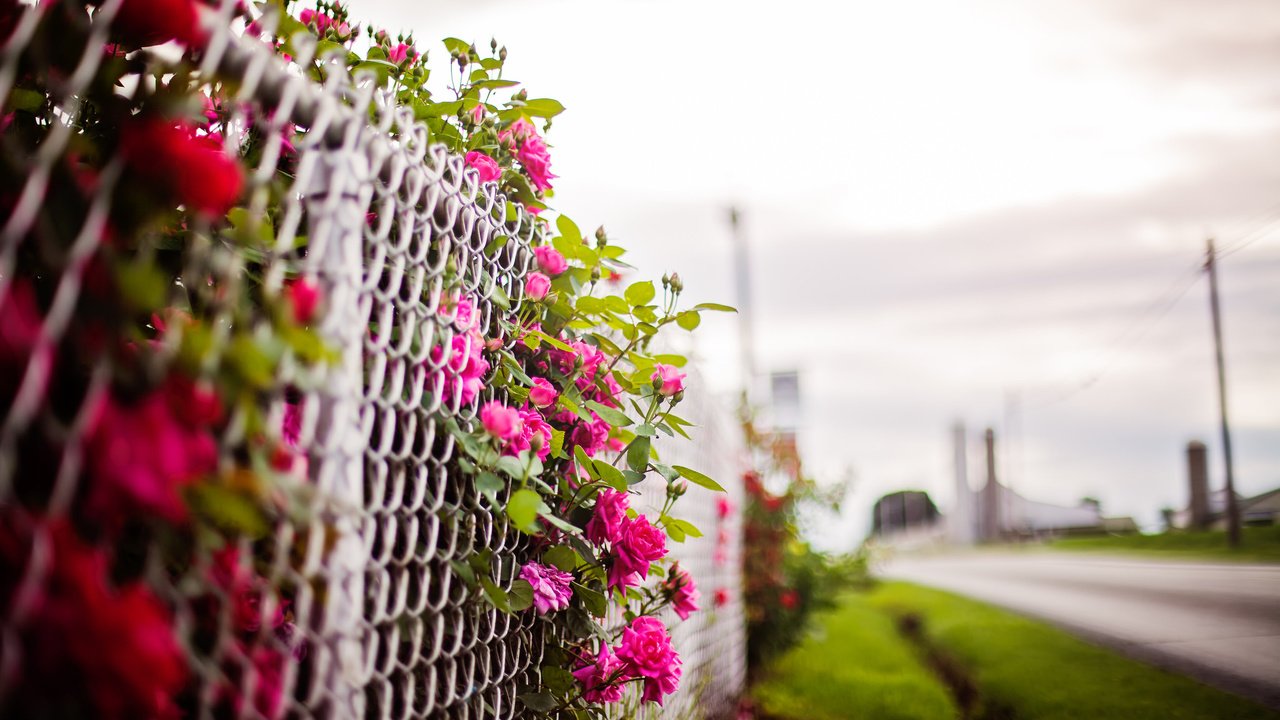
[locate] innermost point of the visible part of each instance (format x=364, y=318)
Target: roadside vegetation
x=1258, y=544
x=853, y=664
x=904, y=651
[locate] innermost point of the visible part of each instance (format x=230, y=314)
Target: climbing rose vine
x=173, y=366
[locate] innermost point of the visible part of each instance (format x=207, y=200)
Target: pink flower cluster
x=466, y=367
x=323, y=23
x=140, y=454
x=672, y=379
x=684, y=593
x=531, y=150
x=636, y=543
x=245, y=591
x=551, y=589
x=644, y=653
x=518, y=429
x=486, y=167
x=116, y=642
x=550, y=261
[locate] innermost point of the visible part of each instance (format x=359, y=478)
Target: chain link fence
x=412, y=255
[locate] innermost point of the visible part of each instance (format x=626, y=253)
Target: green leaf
x=589, y=305
x=557, y=344
x=421, y=111
x=568, y=228
x=646, y=430
x=252, y=361
x=511, y=466
x=592, y=600
x=610, y=475
x=494, y=84
x=543, y=108
x=633, y=477
x=464, y=571
x=557, y=442
x=381, y=68
x=497, y=598
x=142, y=285
x=562, y=557
x=521, y=596
x=489, y=485
x=715, y=307
x=23, y=99
x=638, y=454
x=610, y=415
x=671, y=359
x=685, y=526
x=666, y=471
x=640, y=293
x=523, y=508
x=698, y=478
x=456, y=46
x=230, y=510
x=541, y=702
x=673, y=532
x=688, y=320
x=558, y=680
x=584, y=462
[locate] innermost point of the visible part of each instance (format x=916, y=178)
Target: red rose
x=194, y=171
x=117, y=643
x=155, y=22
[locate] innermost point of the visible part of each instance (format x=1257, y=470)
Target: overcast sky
x=956, y=211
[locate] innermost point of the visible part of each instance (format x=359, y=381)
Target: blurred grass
x=1031, y=671
x=855, y=665
x=1258, y=544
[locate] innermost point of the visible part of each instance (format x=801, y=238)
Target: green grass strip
x=1258, y=544
x=1037, y=672
x=854, y=665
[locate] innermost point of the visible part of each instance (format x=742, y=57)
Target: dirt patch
x=954, y=675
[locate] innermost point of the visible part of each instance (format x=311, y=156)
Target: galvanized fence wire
x=712, y=642
x=402, y=239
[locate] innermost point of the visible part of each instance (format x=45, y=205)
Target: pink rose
x=684, y=593
x=550, y=586
x=602, y=680
x=724, y=507
x=536, y=160
x=518, y=132
x=477, y=114
x=537, y=286
x=550, y=260
x=647, y=651
x=535, y=432
x=606, y=522
x=672, y=379
x=141, y=454
x=501, y=421
x=304, y=298
x=400, y=53
x=637, y=546
x=485, y=166
x=543, y=393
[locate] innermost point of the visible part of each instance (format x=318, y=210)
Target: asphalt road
x=1218, y=623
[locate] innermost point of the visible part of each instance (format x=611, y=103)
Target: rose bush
x=172, y=363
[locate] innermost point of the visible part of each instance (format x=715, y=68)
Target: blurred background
x=993, y=213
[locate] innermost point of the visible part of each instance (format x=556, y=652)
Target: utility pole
x=742, y=282
x=1233, y=511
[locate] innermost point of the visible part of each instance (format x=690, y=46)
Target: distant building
x=1259, y=510
x=902, y=511
x=1207, y=510
x=996, y=512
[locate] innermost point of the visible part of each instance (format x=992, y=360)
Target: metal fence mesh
x=413, y=256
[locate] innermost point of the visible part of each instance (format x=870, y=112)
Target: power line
x=1136, y=330
x=1244, y=241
